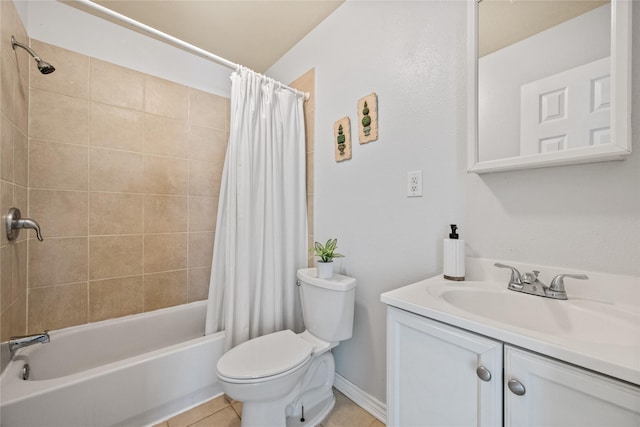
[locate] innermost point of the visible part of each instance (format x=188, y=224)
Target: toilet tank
x=327, y=304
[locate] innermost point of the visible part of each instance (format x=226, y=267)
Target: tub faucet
x=16, y=343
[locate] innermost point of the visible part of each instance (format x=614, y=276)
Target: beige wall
x=14, y=107
x=307, y=83
x=123, y=176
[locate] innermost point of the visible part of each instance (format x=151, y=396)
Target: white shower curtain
x=261, y=230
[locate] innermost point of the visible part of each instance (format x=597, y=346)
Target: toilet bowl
x=286, y=379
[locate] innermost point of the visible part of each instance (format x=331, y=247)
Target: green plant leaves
x=326, y=252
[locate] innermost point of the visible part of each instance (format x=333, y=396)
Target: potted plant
x=326, y=253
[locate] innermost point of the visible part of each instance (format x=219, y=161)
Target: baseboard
x=364, y=400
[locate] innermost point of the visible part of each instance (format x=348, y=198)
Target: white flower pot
x=325, y=269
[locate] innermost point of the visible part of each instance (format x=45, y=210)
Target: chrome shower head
x=43, y=66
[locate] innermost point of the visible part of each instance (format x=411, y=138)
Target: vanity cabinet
x=441, y=375
x=559, y=394
x=431, y=374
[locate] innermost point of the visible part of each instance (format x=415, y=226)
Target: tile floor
x=222, y=412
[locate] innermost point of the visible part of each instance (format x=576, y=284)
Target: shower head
x=43, y=66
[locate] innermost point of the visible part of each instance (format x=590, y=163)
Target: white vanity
x=474, y=353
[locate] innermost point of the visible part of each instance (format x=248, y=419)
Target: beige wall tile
x=200, y=249
x=57, y=261
x=165, y=289
x=6, y=149
x=21, y=109
x=116, y=127
x=206, y=109
x=59, y=118
x=115, y=85
x=19, y=268
x=14, y=319
x=56, y=307
x=164, y=136
x=118, y=171
x=306, y=83
x=20, y=159
x=6, y=202
x=6, y=276
x=165, y=252
x=72, y=71
x=203, y=213
x=115, y=213
x=206, y=144
x=310, y=174
x=59, y=213
x=165, y=98
x=20, y=201
x=165, y=175
x=165, y=214
x=115, y=297
x=115, y=256
x=204, y=178
x=9, y=73
x=57, y=166
x=198, y=289
x=309, y=130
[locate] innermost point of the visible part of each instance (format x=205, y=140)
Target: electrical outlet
x=414, y=184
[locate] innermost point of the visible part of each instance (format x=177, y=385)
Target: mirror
x=549, y=91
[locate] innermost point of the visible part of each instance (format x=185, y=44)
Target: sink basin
x=576, y=319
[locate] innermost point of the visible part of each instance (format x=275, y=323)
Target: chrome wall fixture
x=43, y=66
x=14, y=223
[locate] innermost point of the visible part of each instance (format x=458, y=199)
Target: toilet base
x=313, y=395
x=314, y=415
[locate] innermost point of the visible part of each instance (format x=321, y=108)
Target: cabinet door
x=559, y=394
x=431, y=374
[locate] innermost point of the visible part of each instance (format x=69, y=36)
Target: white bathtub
x=132, y=371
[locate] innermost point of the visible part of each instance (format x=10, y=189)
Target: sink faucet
x=16, y=343
x=529, y=283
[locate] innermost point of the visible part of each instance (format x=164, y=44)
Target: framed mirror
x=553, y=89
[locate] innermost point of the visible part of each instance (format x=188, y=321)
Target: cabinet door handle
x=516, y=387
x=483, y=373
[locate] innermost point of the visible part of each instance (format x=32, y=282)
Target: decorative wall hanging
x=368, y=118
x=342, y=139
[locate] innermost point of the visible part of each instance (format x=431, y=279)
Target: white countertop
x=619, y=358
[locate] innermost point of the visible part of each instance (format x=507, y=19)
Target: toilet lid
x=265, y=356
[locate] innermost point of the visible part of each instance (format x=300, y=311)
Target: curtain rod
x=168, y=38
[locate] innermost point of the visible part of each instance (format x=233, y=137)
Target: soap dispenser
x=453, y=253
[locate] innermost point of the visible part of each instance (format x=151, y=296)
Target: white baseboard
x=364, y=400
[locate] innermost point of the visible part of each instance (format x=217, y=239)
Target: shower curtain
x=261, y=230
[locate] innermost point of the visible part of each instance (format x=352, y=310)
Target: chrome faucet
x=14, y=223
x=16, y=343
x=529, y=283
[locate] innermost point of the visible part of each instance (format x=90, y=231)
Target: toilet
x=286, y=379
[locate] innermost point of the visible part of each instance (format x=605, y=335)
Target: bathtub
x=131, y=371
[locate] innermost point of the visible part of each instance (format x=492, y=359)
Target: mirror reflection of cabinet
x=554, y=97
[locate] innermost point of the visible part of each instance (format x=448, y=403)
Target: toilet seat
x=265, y=357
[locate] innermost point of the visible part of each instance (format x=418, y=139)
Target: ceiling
x=254, y=33
x=504, y=22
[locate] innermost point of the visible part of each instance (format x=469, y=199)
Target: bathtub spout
x=16, y=343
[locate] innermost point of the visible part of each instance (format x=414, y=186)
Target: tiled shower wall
x=14, y=107
x=122, y=171
x=307, y=83
x=124, y=177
